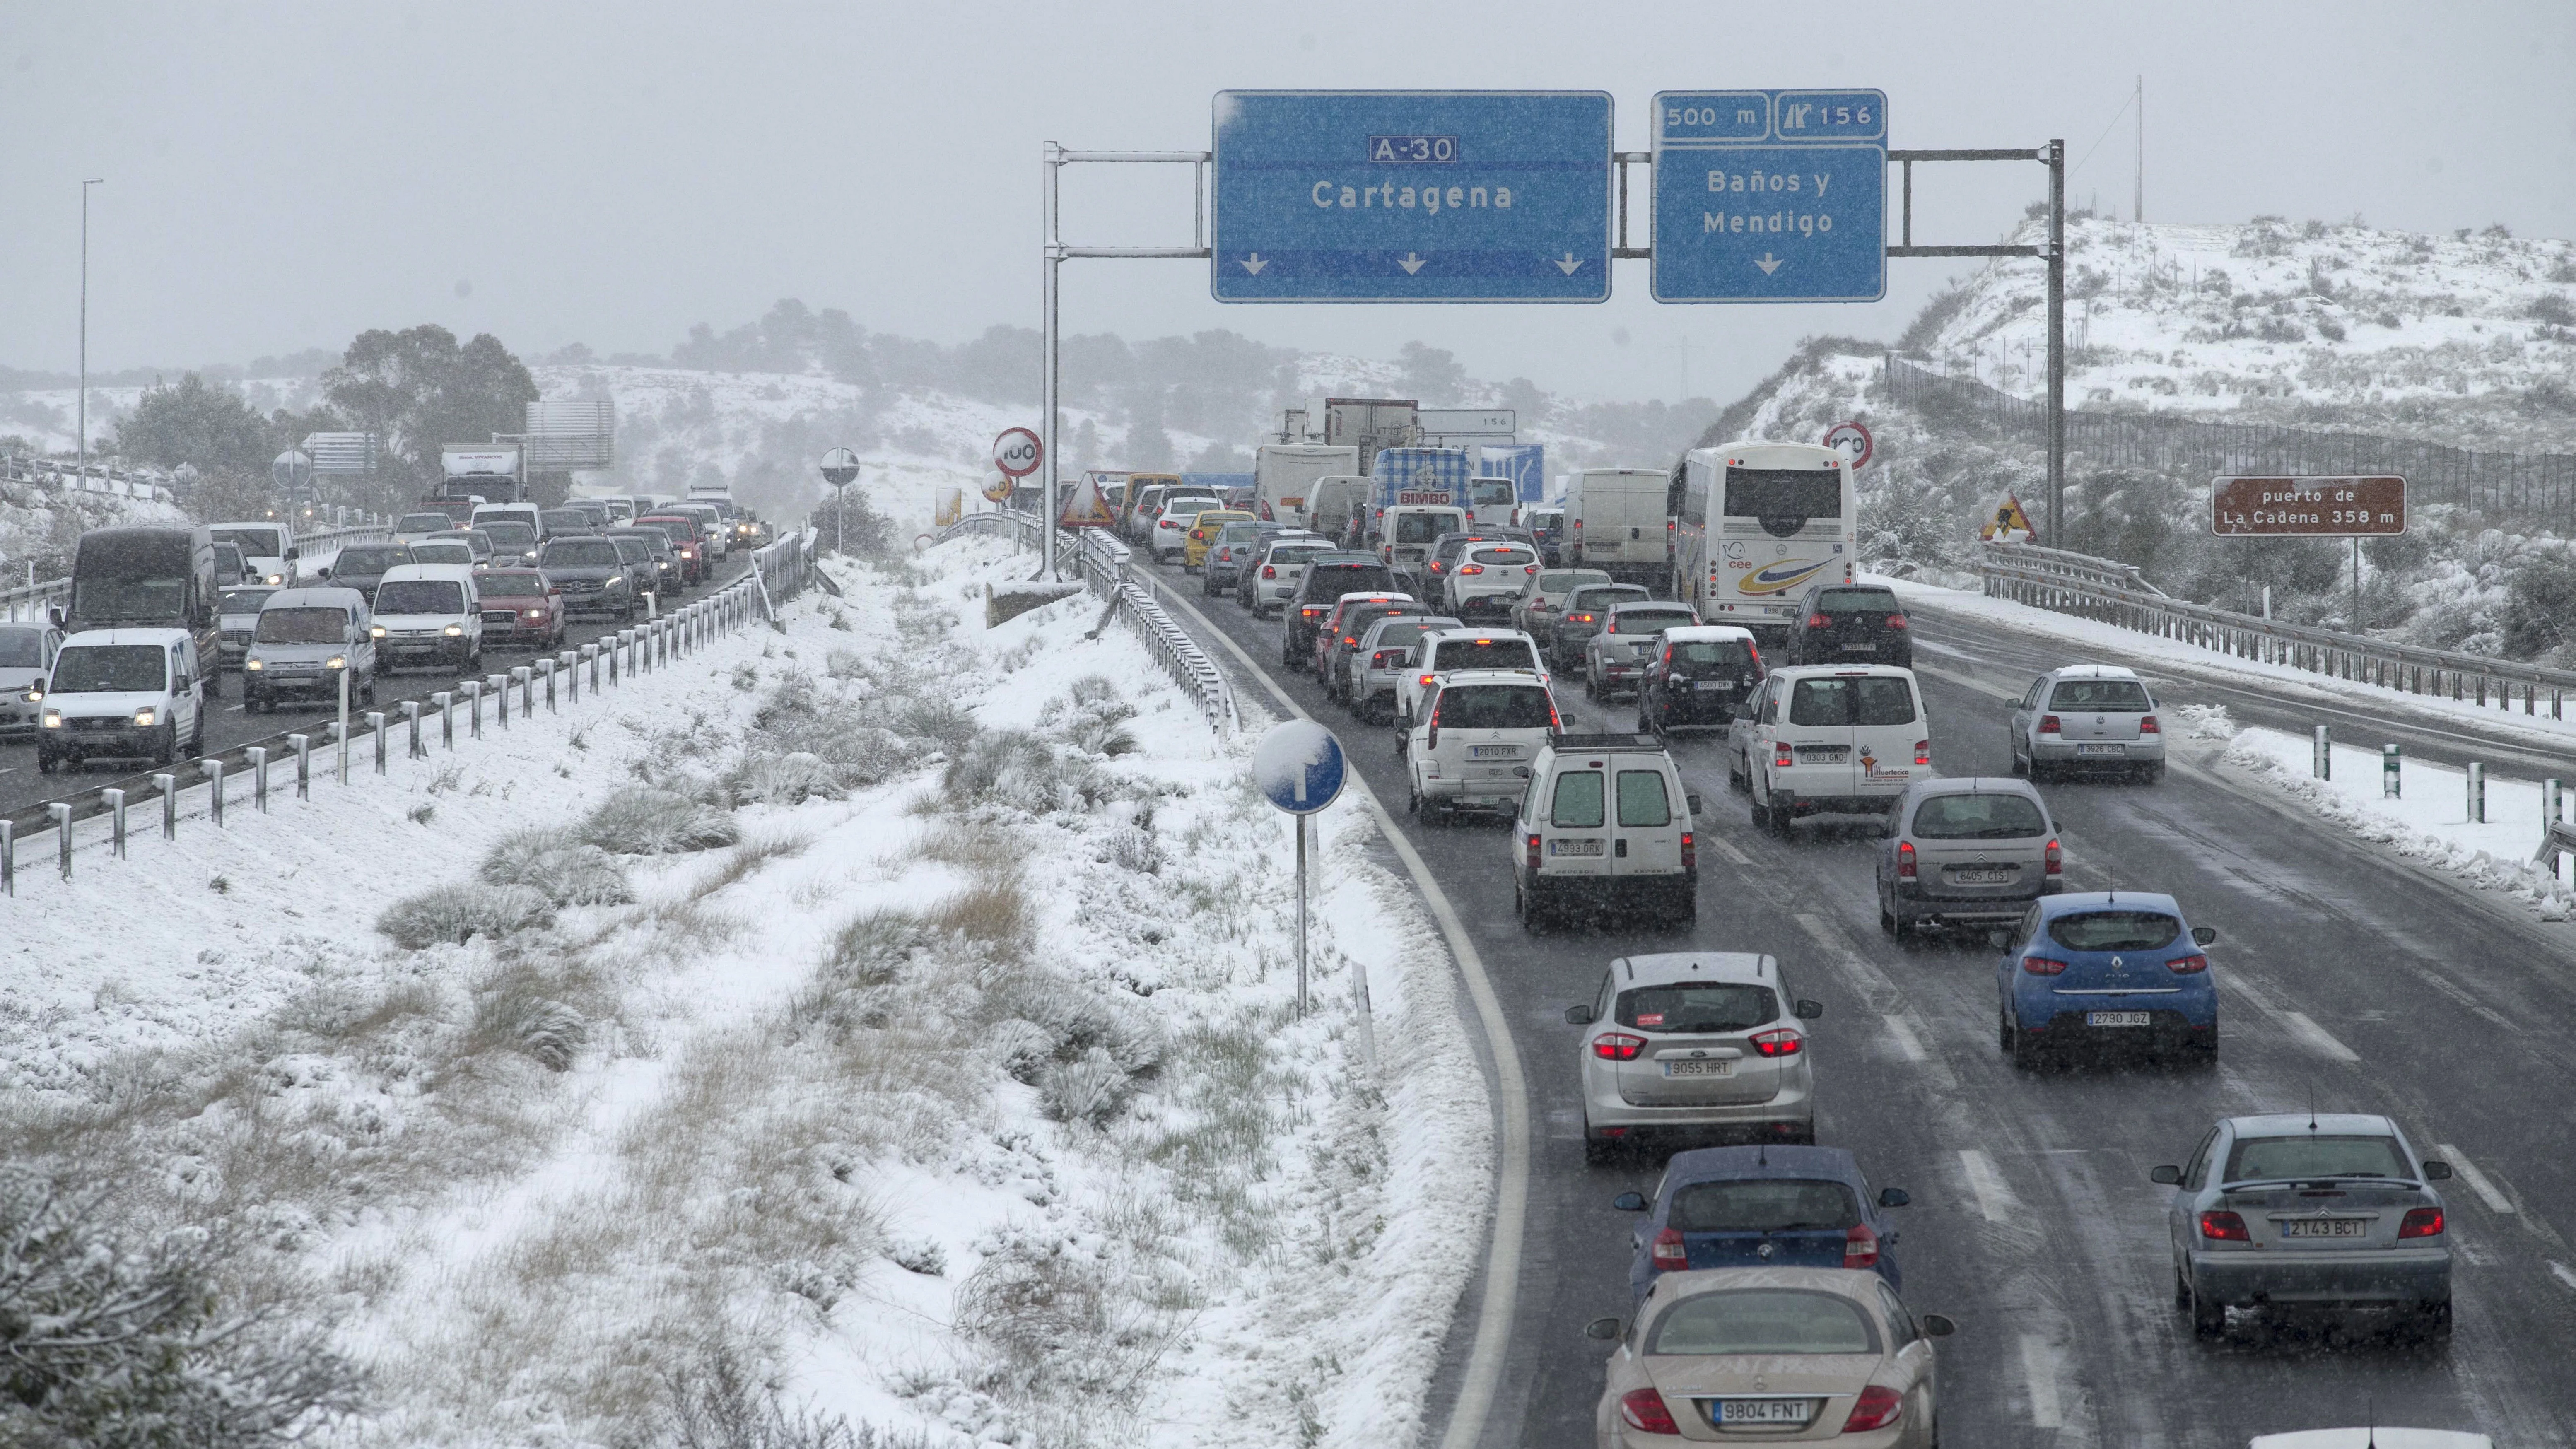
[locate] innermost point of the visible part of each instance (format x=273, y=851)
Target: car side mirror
x=2167, y=1175
x=1606, y=1329
x=1580, y=1015
x=293, y=553
x=323, y=572
x=1894, y=1197
x=1807, y=1010
x=2436, y=1171
x=1937, y=1325
x=1630, y=1202
x=2000, y=940
x=2203, y=935
x=1693, y=798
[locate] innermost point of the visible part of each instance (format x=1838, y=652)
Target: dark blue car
x=1761, y=1207
x=2106, y=969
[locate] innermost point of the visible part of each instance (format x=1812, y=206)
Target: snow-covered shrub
x=511, y=1012
x=915, y=1254
x=461, y=912
x=716, y=1403
x=1129, y=848
x=1025, y=772
x=1090, y=1088
x=787, y=779
x=559, y=864
x=113, y=1342
x=1091, y=717
x=650, y=820
x=1033, y=1304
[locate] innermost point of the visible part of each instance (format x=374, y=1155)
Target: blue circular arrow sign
x=1299, y=765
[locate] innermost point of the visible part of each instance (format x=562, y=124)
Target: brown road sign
x=2307, y=507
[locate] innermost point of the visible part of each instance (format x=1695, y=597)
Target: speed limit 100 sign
x=1017, y=452
x=1852, y=441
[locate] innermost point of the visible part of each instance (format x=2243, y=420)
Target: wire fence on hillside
x=2532, y=489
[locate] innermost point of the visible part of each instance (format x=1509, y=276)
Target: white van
x=1406, y=532
x=1815, y=739
x=1605, y=823
x=1491, y=502
x=428, y=614
x=1337, y=507
x=1478, y=734
x=1615, y=520
x=123, y=694
x=1285, y=476
x=268, y=550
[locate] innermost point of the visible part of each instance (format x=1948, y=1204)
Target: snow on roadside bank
x=961, y=1094
x=2427, y=822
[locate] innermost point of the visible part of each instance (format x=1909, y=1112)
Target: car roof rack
x=1572, y=741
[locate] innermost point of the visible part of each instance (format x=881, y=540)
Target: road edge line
x=1484, y=1372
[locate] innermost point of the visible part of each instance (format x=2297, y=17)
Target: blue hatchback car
x=1761, y=1207
x=2106, y=969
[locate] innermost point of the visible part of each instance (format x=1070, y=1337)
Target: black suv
x=1698, y=676
x=1328, y=576
x=1851, y=624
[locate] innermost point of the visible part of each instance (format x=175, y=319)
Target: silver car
x=1693, y=1044
x=1615, y=659
x=1535, y=612
x=1377, y=666
x=1965, y=851
x=2308, y=1210
x=2083, y=717
x=1272, y=579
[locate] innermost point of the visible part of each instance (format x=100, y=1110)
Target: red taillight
x=1896, y=621
x=1820, y=621
x=1533, y=853
x=1555, y=721
x=1922, y=752
x=2048, y=724
x=2420, y=1223
x=1690, y=852
x=1270, y=571
x=1613, y=1046
x=1426, y=681
x=1349, y=642
x=1311, y=611
x=1645, y=1412
x=2043, y=966
x=2188, y=965
x=1530, y=569
x=1780, y=1043
x=1784, y=759
x=1471, y=569
x=1670, y=1256
x=1860, y=1246
x=1580, y=618
x=1905, y=860
x=1877, y=1407
x=1381, y=659
x=2224, y=1227
x=2147, y=725
x=2056, y=859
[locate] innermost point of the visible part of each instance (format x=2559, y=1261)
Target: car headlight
x=376, y=631
x=337, y=661
x=34, y=695
x=143, y=718
x=253, y=665
x=53, y=719
x=275, y=579
x=455, y=631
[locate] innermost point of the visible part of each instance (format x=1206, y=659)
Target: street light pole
x=84, y=330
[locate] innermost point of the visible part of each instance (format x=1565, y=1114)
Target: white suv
x=1478, y=735
x=1694, y=1044
x=1489, y=576
x=1606, y=822
x=1451, y=650
x=1815, y=739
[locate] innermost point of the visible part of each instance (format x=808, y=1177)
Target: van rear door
x=1645, y=810
x=1887, y=728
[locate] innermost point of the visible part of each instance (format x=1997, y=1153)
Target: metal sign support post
x=1054, y=253
x=1300, y=823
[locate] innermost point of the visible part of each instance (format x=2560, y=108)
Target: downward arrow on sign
x=1568, y=265
x=1767, y=263
x=1254, y=264
x=1412, y=263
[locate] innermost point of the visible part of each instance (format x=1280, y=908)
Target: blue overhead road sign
x=1770, y=196
x=1412, y=196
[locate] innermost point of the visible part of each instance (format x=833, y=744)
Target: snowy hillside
x=2468, y=339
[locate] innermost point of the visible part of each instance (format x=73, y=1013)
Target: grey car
x=1966, y=851
x=2303, y=1210
x=1615, y=658
x=591, y=574
x=236, y=615
x=1542, y=599
x=27, y=652
x=1376, y=668
x=305, y=640
x=1586, y=609
x=2088, y=717
x=362, y=566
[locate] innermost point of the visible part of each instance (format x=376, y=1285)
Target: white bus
x=1758, y=524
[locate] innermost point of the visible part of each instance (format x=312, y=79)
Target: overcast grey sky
x=280, y=176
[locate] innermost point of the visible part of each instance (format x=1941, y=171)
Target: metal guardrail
x=2103, y=589
x=1102, y=563
x=2557, y=838
x=641, y=648
x=100, y=478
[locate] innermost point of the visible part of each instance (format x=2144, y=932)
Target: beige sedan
x=1790, y=1355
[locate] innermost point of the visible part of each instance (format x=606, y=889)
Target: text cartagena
x=1386, y=195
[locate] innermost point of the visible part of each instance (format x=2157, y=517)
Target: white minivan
x=123, y=694
x=268, y=550
x=428, y=614
x=1615, y=519
x=1606, y=823
x=1817, y=740
x=1478, y=734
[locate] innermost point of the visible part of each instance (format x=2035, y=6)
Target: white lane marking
x=2478, y=1182
x=1821, y=933
x=2562, y=1273
x=1994, y=1196
x=2039, y=1370
x=1484, y=1374
x=2318, y=1037
x=1725, y=847
x=1903, y=1035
